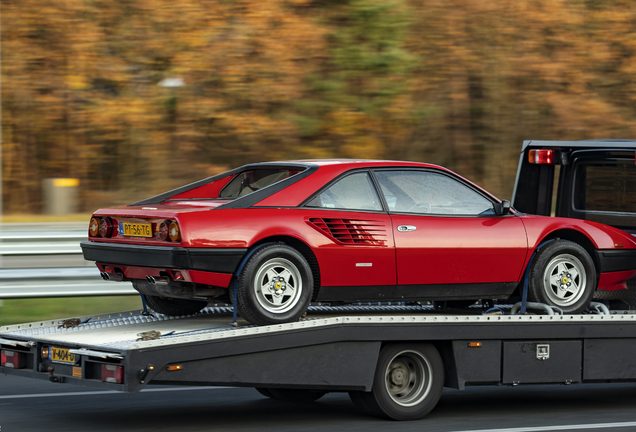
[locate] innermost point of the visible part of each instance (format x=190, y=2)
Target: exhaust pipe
x=157, y=281
x=117, y=277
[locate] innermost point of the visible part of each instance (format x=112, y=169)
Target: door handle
x=406, y=228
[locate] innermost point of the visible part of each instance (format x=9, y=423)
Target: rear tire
x=407, y=385
x=563, y=275
x=174, y=306
x=275, y=286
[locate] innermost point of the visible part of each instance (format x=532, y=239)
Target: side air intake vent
x=350, y=231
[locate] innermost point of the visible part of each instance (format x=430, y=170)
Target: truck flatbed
x=332, y=349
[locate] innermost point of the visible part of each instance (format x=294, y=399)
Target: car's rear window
x=250, y=181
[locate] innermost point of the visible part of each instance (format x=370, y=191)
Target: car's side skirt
x=499, y=290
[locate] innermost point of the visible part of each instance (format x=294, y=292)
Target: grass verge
x=17, y=311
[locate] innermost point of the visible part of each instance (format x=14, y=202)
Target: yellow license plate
x=62, y=355
x=136, y=229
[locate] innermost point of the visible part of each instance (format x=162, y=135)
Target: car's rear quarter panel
x=339, y=263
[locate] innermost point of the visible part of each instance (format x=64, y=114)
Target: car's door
x=357, y=246
x=448, y=236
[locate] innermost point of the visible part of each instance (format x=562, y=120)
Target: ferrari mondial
x=284, y=234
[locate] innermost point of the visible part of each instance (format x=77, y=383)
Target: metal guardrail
x=45, y=260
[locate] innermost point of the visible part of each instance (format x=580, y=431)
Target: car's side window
x=353, y=192
x=411, y=191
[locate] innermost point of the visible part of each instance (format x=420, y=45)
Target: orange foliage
x=455, y=82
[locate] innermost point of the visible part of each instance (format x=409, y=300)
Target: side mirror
x=502, y=208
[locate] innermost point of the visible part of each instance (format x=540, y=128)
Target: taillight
x=112, y=374
x=163, y=230
x=12, y=359
x=106, y=227
x=169, y=231
x=542, y=157
x=93, y=228
x=175, y=232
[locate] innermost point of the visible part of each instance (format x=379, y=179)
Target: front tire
x=563, y=275
x=407, y=385
x=275, y=286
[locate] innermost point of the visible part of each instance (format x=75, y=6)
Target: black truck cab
x=589, y=180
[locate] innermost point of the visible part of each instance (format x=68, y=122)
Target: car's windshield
x=250, y=181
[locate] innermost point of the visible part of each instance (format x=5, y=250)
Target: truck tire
x=275, y=286
x=407, y=385
x=291, y=395
x=174, y=306
x=563, y=275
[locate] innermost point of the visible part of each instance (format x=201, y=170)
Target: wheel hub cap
x=278, y=285
x=408, y=378
x=398, y=376
x=564, y=280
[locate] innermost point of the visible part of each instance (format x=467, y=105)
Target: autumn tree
x=134, y=98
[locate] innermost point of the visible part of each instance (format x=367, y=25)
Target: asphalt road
x=31, y=405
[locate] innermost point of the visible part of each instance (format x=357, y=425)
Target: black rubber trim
x=247, y=200
x=617, y=260
x=218, y=260
x=468, y=291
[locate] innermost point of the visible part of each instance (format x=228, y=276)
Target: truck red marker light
x=541, y=157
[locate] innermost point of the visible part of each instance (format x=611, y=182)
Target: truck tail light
x=112, y=374
x=542, y=157
x=12, y=359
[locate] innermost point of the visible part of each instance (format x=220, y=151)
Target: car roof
x=329, y=169
x=346, y=164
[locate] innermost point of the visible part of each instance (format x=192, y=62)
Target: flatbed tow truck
x=393, y=359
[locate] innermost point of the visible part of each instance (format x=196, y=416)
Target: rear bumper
x=217, y=260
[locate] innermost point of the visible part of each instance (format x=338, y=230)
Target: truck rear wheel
x=275, y=286
x=174, y=306
x=563, y=275
x=407, y=385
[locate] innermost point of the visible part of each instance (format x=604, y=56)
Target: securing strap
x=146, y=312
x=526, y=278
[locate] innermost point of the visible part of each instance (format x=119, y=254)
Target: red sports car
x=289, y=233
